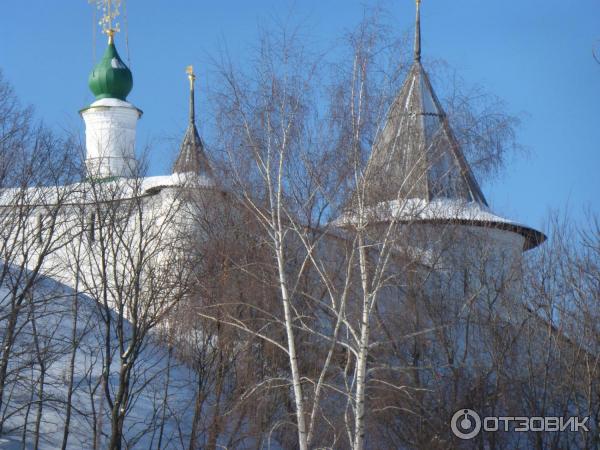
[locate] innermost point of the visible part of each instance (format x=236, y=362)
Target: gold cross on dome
x=109, y=10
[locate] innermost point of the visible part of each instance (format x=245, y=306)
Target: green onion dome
x=111, y=78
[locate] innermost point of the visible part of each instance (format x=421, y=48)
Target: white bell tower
x=110, y=121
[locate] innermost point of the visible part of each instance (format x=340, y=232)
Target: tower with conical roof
x=110, y=121
x=417, y=169
x=191, y=160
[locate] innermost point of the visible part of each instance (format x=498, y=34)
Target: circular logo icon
x=465, y=424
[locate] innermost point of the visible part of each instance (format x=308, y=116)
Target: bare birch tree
x=31, y=231
x=132, y=269
x=297, y=164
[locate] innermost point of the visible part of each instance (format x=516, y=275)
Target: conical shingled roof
x=192, y=158
x=416, y=154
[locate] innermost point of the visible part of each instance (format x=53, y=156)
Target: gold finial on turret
x=191, y=75
x=110, y=11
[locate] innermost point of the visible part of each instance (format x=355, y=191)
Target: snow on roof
x=112, y=102
x=81, y=192
x=443, y=211
x=190, y=179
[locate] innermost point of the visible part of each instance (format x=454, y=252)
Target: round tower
x=418, y=178
x=110, y=121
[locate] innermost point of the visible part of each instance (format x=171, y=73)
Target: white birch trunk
x=298, y=398
x=361, y=363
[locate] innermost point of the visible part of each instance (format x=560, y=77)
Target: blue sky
x=535, y=54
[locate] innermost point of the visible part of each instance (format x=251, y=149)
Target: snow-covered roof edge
x=443, y=211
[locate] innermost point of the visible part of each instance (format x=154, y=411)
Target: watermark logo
x=466, y=424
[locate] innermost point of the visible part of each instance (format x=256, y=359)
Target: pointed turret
x=192, y=158
x=416, y=154
x=417, y=161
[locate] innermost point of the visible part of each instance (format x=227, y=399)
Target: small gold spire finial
x=111, y=34
x=192, y=77
x=418, y=32
x=109, y=10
